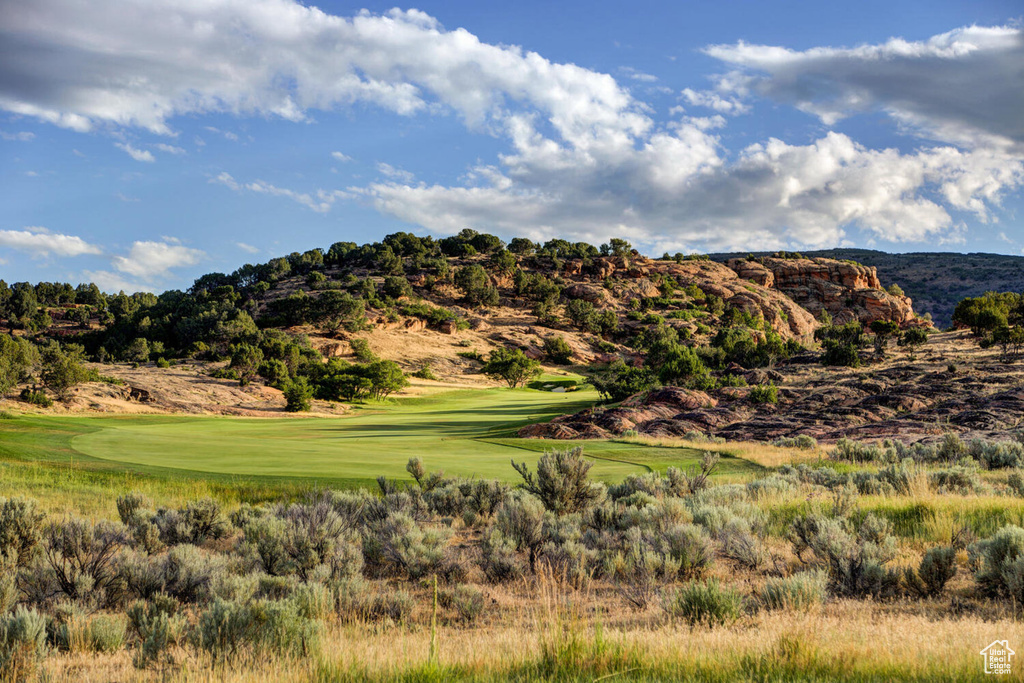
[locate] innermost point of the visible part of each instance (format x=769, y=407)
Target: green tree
x=476, y=286
x=581, y=313
x=62, y=368
x=298, y=396
x=883, y=330
x=511, y=366
x=137, y=351
x=17, y=358
x=558, y=350
x=915, y=338
x=245, y=360
x=386, y=377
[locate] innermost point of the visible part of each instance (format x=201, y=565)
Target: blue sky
x=145, y=143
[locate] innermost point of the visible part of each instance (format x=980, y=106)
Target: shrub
x=520, y=521
x=156, y=625
x=500, y=560
x=298, y=396
x=962, y=480
x=854, y=561
x=800, y=591
x=191, y=574
x=399, y=545
x=704, y=603
x=690, y=547
x=467, y=601
x=82, y=558
x=801, y=441
x=937, y=567
x=22, y=643
x=558, y=350
x=562, y=482
x=36, y=398
x=272, y=626
x=199, y=521
x=21, y=529
x=1000, y=557
x=839, y=353
x=764, y=393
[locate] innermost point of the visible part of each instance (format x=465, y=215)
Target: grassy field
x=469, y=433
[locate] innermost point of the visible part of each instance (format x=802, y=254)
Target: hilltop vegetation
x=316, y=325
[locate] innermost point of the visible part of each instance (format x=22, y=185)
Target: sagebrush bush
x=466, y=601
x=690, y=546
x=21, y=530
x=705, y=603
x=398, y=545
x=854, y=559
x=937, y=567
x=500, y=560
x=156, y=625
x=999, y=556
x=82, y=559
x=801, y=591
x=562, y=481
x=22, y=643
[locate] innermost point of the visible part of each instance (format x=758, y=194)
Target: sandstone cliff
x=848, y=291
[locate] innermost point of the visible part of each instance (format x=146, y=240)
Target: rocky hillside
x=936, y=282
x=951, y=386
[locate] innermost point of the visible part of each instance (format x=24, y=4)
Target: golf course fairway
x=463, y=432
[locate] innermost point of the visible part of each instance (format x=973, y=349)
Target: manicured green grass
x=467, y=432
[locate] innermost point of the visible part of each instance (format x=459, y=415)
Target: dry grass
x=762, y=454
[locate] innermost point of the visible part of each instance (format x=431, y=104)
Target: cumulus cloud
x=153, y=260
x=774, y=195
x=964, y=87
x=247, y=248
x=41, y=242
x=320, y=201
x=135, y=153
x=141, y=62
x=340, y=156
x=113, y=282
x=584, y=158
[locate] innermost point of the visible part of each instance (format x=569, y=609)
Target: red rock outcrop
x=848, y=291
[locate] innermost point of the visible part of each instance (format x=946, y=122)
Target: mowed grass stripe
x=463, y=432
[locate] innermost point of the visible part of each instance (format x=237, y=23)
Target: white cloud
x=41, y=242
x=153, y=260
x=398, y=174
x=112, y=282
x=125, y=198
x=320, y=201
x=134, y=153
x=713, y=100
x=585, y=157
x=343, y=158
x=965, y=86
x=248, y=248
x=774, y=195
x=636, y=75
x=23, y=136
x=139, y=63
x=170, y=149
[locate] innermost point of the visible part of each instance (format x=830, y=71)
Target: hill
x=352, y=322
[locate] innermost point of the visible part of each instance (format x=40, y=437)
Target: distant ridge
x=936, y=281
